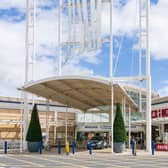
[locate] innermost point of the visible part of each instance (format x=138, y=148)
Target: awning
x=81, y=92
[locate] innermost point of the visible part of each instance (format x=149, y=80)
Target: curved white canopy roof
x=81, y=92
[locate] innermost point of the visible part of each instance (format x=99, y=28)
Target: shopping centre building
x=93, y=118
x=92, y=99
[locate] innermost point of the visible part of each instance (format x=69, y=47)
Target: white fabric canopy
x=79, y=92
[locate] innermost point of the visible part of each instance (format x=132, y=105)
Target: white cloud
x=163, y=91
x=21, y=4
x=74, y=69
x=12, y=53
x=124, y=18
x=159, y=33
x=125, y=21
x=11, y=56
x=6, y=4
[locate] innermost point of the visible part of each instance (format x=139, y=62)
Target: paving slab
x=100, y=158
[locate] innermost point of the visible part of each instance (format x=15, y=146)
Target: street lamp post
x=111, y=72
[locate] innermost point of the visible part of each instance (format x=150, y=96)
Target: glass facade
x=135, y=95
x=92, y=117
x=103, y=116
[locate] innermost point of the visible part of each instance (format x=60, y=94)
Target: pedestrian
x=132, y=140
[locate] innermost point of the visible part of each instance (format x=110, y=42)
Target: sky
x=125, y=25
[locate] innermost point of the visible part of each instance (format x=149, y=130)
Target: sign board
x=160, y=113
x=104, y=127
x=161, y=147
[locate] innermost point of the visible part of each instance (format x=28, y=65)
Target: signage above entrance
x=160, y=113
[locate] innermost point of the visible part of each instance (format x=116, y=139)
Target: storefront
x=160, y=137
x=160, y=124
x=88, y=131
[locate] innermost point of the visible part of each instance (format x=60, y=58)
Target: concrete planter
x=33, y=146
x=119, y=147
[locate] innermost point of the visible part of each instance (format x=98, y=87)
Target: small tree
x=34, y=131
x=119, y=127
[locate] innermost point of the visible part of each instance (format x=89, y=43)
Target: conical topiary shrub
x=34, y=134
x=119, y=131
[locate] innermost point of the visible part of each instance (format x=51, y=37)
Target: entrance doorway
x=83, y=137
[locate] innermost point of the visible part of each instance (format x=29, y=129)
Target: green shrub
x=34, y=133
x=119, y=127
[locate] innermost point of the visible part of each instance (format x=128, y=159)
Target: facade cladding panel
x=11, y=119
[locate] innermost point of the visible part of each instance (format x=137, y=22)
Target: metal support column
x=30, y=49
x=148, y=77
x=47, y=123
x=75, y=128
x=122, y=105
x=124, y=110
x=25, y=114
x=111, y=73
x=59, y=38
x=25, y=120
x=109, y=138
x=75, y=134
x=66, y=126
x=55, y=127
x=21, y=123
x=129, y=127
x=140, y=53
x=140, y=38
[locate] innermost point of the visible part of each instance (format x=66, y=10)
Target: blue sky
x=12, y=29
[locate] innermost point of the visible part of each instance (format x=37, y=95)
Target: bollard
x=90, y=148
x=135, y=148
x=5, y=147
x=41, y=147
x=73, y=147
x=132, y=146
x=59, y=147
x=153, y=148
x=67, y=148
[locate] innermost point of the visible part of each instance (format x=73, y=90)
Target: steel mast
x=30, y=49
x=148, y=80
x=111, y=71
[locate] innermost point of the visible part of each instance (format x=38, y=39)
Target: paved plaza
x=99, y=159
